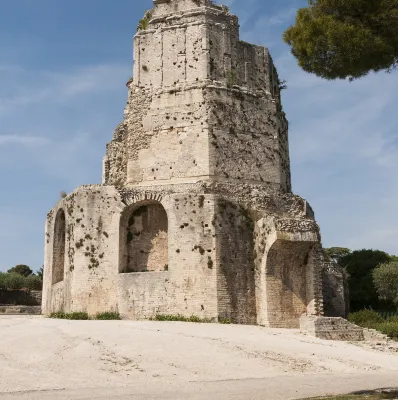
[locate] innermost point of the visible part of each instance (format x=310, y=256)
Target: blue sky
x=63, y=69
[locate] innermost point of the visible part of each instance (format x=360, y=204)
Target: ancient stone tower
x=195, y=214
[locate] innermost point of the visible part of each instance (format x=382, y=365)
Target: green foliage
x=71, y=316
x=372, y=320
x=12, y=281
x=335, y=254
x=359, y=266
x=179, y=317
x=21, y=269
x=338, y=39
x=143, y=24
x=366, y=318
x=3, y=280
x=388, y=328
x=33, y=282
x=40, y=272
x=385, y=279
x=109, y=315
x=225, y=321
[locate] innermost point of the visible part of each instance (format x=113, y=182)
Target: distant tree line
x=21, y=277
x=372, y=277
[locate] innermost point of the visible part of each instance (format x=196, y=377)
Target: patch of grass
x=181, y=318
x=225, y=321
x=71, y=316
x=83, y=316
x=109, y=315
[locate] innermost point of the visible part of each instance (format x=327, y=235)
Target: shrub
x=78, y=316
x=388, y=328
x=57, y=315
x=14, y=281
x=3, y=280
x=393, y=319
x=109, y=315
x=33, y=282
x=365, y=318
x=385, y=279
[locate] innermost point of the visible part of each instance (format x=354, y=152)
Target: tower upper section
x=186, y=41
x=203, y=105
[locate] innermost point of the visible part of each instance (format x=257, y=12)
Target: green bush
x=393, y=319
x=3, y=280
x=14, y=281
x=57, y=315
x=366, y=318
x=109, y=315
x=33, y=282
x=385, y=279
x=388, y=328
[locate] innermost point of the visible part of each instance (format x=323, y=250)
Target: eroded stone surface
x=195, y=214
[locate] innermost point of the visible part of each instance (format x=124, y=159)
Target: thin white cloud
x=282, y=17
x=19, y=140
x=26, y=88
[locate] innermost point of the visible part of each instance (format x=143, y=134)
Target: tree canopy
x=360, y=265
x=339, y=39
x=335, y=254
x=385, y=278
x=21, y=269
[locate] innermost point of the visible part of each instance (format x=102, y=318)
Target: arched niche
x=144, y=238
x=58, y=265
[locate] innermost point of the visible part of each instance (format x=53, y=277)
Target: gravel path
x=55, y=359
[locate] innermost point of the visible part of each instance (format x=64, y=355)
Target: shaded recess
x=59, y=248
x=144, y=239
x=236, y=272
x=288, y=278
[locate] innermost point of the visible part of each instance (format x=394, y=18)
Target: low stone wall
x=331, y=328
x=16, y=310
x=20, y=297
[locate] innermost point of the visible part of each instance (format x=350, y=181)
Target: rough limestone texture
x=195, y=214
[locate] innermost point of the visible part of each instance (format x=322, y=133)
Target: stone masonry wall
x=199, y=99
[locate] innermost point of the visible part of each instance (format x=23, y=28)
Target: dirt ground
x=56, y=359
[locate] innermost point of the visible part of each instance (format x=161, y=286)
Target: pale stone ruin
x=195, y=214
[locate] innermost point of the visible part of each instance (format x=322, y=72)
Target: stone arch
x=288, y=282
x=144, y=238
x=58, y=265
